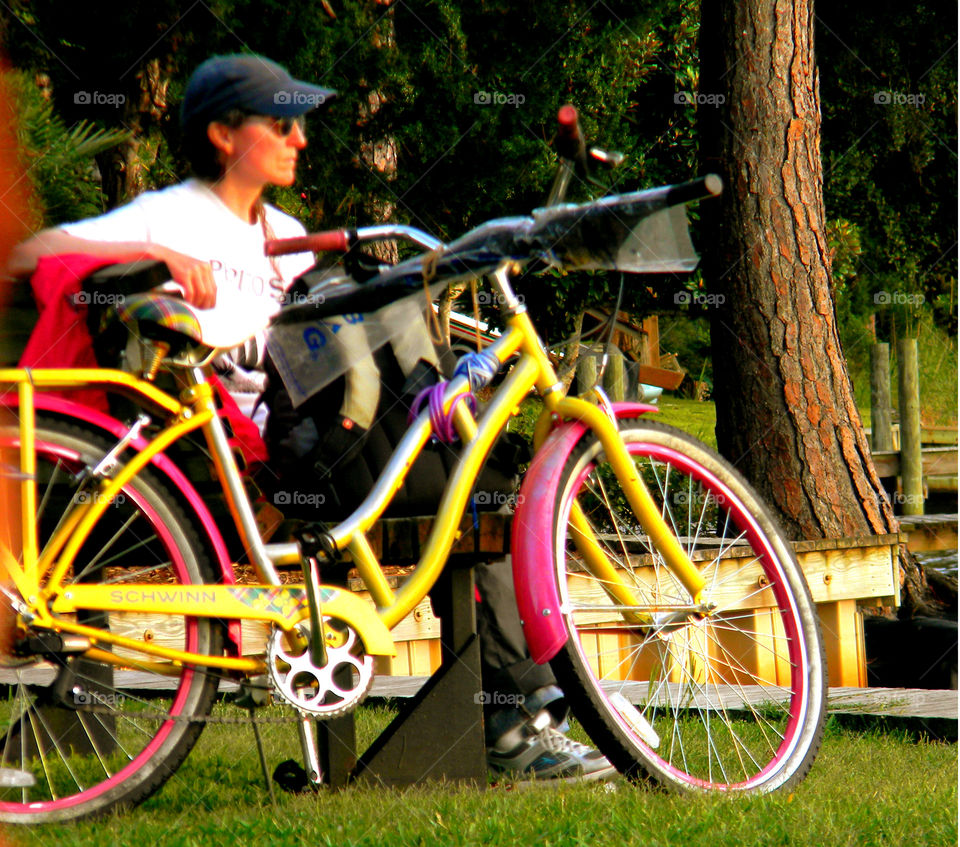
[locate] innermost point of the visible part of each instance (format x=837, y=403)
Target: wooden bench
x=845, y=576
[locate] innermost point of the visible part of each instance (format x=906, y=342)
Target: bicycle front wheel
x=725, y=692
x=105, y=726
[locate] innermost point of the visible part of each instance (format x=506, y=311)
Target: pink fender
x=86, y=415
x=531, y=543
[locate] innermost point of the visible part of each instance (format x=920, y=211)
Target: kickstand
x=263, y=758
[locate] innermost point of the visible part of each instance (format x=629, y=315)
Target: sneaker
x=540, y=751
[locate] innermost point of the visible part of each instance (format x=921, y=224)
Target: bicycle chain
x=166, y=716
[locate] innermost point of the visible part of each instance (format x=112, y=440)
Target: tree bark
x=123, y=168
x=786, y=415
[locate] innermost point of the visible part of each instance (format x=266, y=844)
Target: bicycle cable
x=613, y=326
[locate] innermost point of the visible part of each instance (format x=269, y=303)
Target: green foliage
x=889, y=98
x=59, y=159
x=465, y=93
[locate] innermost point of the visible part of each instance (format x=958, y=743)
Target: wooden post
x=586, y=369
x=881, y=426
x=614, y=379
x=911, y=457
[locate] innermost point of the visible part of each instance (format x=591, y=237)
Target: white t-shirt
x=192, y=220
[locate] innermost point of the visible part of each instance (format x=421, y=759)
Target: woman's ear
x=220, y=137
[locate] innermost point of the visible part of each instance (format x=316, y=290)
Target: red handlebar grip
x=332, y=241
x=567, y=118
x=570, y=144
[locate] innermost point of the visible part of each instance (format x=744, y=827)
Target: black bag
x=322, y=465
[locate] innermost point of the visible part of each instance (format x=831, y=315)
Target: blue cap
x=248, y=82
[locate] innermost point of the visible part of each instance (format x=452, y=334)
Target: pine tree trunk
x=786, y=415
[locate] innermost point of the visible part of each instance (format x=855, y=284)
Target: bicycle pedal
x=254, y=693
x=291, y=777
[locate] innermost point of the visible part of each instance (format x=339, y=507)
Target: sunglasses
x=281, y=127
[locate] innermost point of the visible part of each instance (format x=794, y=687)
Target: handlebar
x=697, y=189
x=570, y=141
x=333, y=241
x=341, y=240
x=570, y=147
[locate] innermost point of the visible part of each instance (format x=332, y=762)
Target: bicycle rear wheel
x=726, y=694
x=106, y=726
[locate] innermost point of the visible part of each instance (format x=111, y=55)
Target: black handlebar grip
x=698, y=189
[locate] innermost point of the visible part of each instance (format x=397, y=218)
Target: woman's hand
x=193, y=275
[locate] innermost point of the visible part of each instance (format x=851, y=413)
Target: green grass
x=699, y=418
x=938, y=361
x=868, y=787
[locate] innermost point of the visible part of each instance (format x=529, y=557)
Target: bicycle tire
x=689, y=702
x=90, y=731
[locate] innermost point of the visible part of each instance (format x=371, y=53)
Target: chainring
x=323, y=692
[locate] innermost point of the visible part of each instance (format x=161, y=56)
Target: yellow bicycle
x=647, y=570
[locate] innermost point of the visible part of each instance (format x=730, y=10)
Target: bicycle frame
x=286, y=606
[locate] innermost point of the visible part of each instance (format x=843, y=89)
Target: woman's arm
x=195, y=276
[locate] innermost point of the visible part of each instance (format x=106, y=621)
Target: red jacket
x=61, y=340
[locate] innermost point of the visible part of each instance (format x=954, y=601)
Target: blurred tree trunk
x=786, y=415
x=379, y=152
x=123, y=168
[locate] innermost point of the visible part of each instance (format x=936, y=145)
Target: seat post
x=159, y=350
x=237, y=501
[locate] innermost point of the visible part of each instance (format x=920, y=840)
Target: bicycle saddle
x=229, y=324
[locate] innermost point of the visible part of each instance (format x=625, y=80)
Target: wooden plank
x=855, y=573
x=834, y=572
x=938, y=435
x=894, y=702
x=661, y=377
x=936, y=461
x=890, y=702
x=930, y=532
x=843, y=643
x=939, y=484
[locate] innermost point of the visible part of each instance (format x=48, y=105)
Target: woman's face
x=261, y=150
